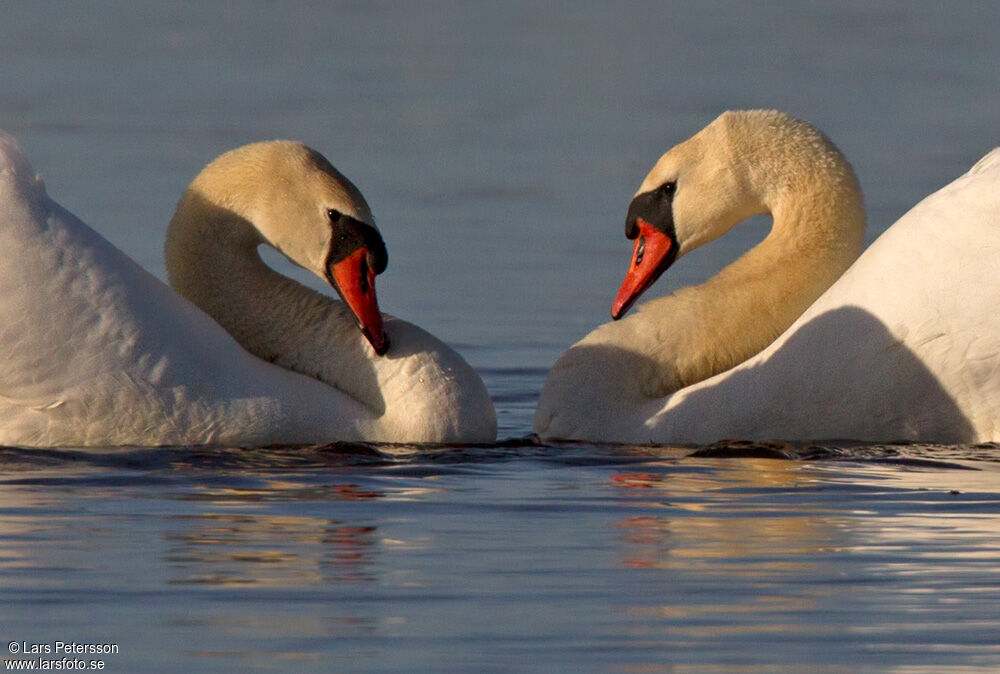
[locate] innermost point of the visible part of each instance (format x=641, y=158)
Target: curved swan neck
x=212, y=260
x=805, y=184
x=743, y=164
x=788, y=169
x=290, y=197
x=813, y=196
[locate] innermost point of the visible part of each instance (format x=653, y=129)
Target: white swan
x=905, y=345
x=98, y=352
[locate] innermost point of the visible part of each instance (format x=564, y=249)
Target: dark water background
x=498, y=145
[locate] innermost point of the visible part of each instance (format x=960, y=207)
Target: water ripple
x=18, y=463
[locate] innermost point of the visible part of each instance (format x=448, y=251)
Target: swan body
x=904, y=346
x=98, y=352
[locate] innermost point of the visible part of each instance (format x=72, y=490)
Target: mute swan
x=905, y=345
x=98, y=352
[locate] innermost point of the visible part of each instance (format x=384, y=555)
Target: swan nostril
x=640, y=250
x=364, y=276
x=375, y=263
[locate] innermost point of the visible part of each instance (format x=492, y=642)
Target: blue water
x=499, y=146
x=508, y=559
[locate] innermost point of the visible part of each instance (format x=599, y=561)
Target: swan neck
x=213, y=260
x=816, y=234
x=614, y=381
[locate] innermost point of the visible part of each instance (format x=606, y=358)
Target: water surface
x=512, y=558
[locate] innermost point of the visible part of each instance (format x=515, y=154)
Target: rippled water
x=511, y=558
x=498, y=146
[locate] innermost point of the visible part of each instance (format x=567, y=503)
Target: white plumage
x=905, y=345
x=98, y=352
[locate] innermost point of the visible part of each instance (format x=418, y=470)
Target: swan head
x=694, y=194
x=297, y=202
x=745, y=163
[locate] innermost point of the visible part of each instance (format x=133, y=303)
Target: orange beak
x=354, y=279
x=654, y=251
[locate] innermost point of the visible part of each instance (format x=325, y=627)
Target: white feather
x=98, y=352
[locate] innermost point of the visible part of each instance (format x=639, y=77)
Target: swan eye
x=334, y=214
x=667, y=189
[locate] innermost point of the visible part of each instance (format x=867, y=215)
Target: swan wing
x=906, y=345
x=98, y=351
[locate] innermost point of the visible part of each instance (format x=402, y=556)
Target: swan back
x=905, y=346
x=99, y=352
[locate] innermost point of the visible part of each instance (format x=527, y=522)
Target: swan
x=795, y=339
x=98, y=352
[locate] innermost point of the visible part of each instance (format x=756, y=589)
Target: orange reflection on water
x=279, y=490
x=705, y=524
x=229, y=549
